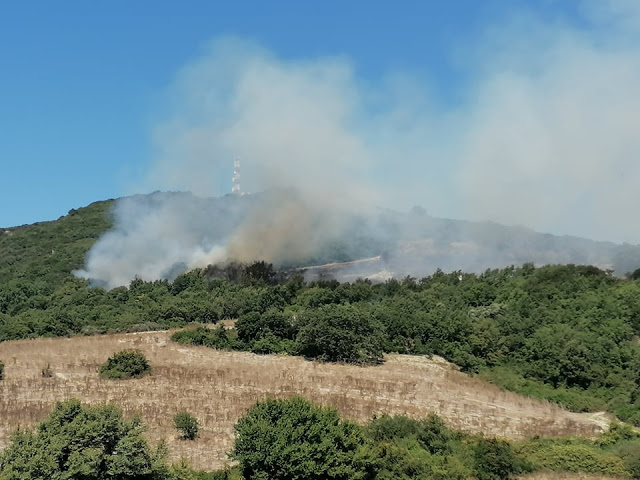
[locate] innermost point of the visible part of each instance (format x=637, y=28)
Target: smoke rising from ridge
x=548, y=137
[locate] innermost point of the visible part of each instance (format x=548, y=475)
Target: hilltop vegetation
x=44, y=254
x=408, y=243
x=565, y=333
x=217, y=387
x=295, y=439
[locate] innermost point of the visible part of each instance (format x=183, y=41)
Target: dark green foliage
x=79, y=443
x=45, y=253
x=1, y=370
x=269, y=332
x=256, y=273
x=183, y=471
x=259, y=273
x=125, y=364
x=186, y=424
x=564, y=333
x=407, y=449
x=572, y=455
x=218, y=338
x=253, y=325
x=629, y=451
x=495, y=460
x=624, y=442
x=296, y=440
x=341, y=333
x=431, y=433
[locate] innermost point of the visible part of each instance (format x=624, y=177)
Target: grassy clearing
x=218, y=387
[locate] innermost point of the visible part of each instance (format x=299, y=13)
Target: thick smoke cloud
x=548, y=137
x=552, y=138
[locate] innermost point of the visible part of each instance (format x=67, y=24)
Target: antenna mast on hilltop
x=236, y=177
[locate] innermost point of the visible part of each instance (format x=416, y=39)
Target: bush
x=272, y=344
x=183, y=471
x=78, y=442
x=431, y=433
x=1, y=370
x=253, y=325
x=297, y=440
x=219, y=338
x=415, y=449
x=494, y=459
x=341, y=333
x=46, y=372
x=571, y=456
x=125, y=364
x=629, y=452
x=187, y=425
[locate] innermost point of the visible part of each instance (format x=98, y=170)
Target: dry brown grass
x=218, y=387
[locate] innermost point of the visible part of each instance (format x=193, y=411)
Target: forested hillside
x=566, y=333
x=44, y=254
x=412, y=243
x=296, y=439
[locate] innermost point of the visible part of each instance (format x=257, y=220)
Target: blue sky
x=84, y=84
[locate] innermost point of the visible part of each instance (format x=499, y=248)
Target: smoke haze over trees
x=544, y=133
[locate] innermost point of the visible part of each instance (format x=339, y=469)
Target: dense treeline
x=295, y=439
x=566, y=333
x=44, y=254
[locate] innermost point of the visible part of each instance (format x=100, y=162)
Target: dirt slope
x=218, y=387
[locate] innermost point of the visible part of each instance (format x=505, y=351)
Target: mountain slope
x=408, y=243
x=217, y=387
x=47, y=252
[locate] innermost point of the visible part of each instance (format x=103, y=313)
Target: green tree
x=341, y=333
x=295, y=440
x=494, y=459
x=82, y=443
x=125, y=364
x=186, y=424
x=253, y=326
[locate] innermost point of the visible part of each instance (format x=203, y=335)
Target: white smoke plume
x=547, y=136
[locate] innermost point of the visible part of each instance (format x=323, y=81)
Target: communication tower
x=236, y=177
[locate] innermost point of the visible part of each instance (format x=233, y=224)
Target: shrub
x=253, y=325
x=1, y=370
x=272, y=344
x=341, y=333
x=125, y=364
x=494, y=459
x=575, y=457
x=629, y=452
x=219, y=338
x=181, y=470
x=47, y=372
x=295, y=439
x=431, y=433
x=187, y=425
x=78, y=442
